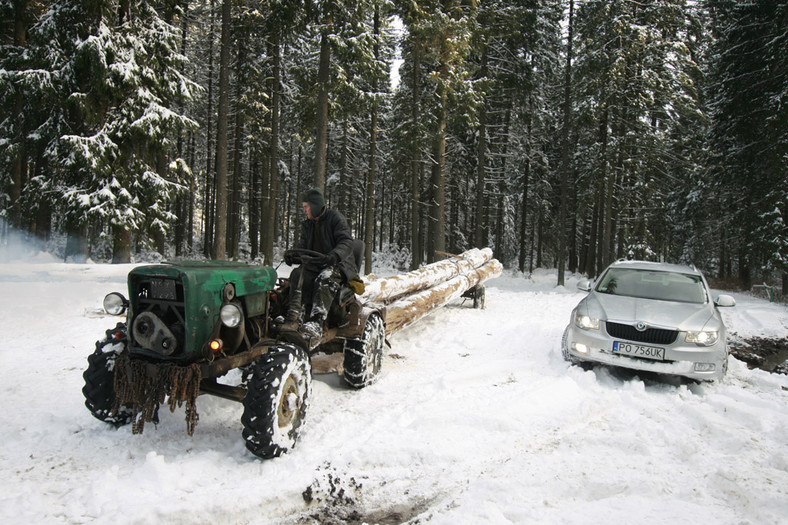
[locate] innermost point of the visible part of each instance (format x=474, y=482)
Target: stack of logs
x=410, y=296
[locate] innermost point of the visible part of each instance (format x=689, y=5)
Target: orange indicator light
x=216, y=345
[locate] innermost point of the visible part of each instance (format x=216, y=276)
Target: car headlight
x=231, y=315
x=115, y=303
x=586, y=322
x=704, y=337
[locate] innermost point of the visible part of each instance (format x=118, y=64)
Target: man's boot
x=290, y=325
x=312, y=329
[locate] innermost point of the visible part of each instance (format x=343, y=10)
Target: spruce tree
x=115, y=86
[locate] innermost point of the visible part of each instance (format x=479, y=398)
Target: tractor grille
x=657, y=336
x=164, y=299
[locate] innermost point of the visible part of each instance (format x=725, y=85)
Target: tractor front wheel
x=276, y=400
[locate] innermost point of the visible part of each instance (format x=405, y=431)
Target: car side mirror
x=584, y=285
x=725, y=300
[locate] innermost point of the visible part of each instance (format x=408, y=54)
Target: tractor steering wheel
x=301, y=256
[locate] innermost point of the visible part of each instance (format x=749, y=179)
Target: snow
x=475, y=418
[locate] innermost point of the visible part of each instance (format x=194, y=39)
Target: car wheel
x=565, y=348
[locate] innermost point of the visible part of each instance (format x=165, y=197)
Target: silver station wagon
x=650, y=316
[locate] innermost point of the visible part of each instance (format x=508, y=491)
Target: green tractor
x=214, y=328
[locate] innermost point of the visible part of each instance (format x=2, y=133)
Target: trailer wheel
x=276, y=400
x=99, y=389
x=363, y=356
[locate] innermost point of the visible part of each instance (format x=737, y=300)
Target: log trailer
x=211, y=327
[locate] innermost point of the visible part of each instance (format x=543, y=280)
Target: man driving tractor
x=318, y=279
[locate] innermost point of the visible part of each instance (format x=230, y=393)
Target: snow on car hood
x=666, y=314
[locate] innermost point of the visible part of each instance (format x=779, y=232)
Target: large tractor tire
x=363, y=357
x=276, y=400
x=99, y=389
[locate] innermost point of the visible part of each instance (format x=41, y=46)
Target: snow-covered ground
x=475, y=419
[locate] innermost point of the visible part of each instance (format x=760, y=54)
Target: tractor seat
x=345, y=293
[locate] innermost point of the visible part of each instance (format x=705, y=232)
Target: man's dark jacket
x=336, y=239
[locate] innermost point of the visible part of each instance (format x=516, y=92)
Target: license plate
x=646, y=352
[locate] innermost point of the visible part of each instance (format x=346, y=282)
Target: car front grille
x=657, y=336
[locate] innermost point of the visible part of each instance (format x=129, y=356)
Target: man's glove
x=290, y=257
x=357, y=285
x=329, y=259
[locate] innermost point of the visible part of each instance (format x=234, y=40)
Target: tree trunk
x=603, y=224
x=413, y=307
x=540, y=239
x=437, y=230
x=254, y=209
x=159, y=234
x=299, y=190
x=526, y=181
x=415, y=171
x=524, y=216
x=234, y=204
x=590, y=268
x=343, y=177
x=567, y=103
x=500, y=245
x=220, y=229
x=386, y=290
x=745, y=275
x=481, y=162
x=321, y=134
x=369, y=222
x=76, y=243
x=273, y=171
x=18, y=162
x=210, y=183
x=121, y=246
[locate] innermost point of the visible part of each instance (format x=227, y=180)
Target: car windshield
x=651, y=284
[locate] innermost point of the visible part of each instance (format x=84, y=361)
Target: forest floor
x=474, y=418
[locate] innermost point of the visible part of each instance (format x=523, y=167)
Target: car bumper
x=703, y=363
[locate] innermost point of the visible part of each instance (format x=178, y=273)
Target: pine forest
x=562, y=134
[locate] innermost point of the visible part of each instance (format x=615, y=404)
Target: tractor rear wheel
x=99, y=389
x=276, y=400
x=363, y=357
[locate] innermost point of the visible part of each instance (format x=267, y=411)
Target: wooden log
x=388, y=289
x=407, y=310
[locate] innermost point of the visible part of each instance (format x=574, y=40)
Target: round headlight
x=231, y=315
x=115, y=303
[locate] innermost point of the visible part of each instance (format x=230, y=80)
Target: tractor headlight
x=231, y=315
x=704, y=338
x=586, y=322
x=115, y=303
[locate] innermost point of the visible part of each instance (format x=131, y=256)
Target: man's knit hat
x=315, y=200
